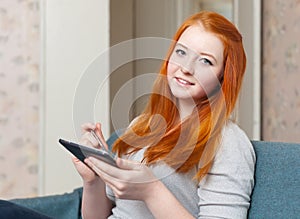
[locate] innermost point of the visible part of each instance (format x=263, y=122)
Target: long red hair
x=194, y=141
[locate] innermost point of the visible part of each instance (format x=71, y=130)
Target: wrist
x=154, y=188
x=93, y=183
x=165, y=205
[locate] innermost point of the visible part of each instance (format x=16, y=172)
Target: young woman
x=182, y=157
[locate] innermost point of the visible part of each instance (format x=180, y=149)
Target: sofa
x=276, y=193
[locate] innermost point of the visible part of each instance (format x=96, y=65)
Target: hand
x=88, y=139
x=128, y=180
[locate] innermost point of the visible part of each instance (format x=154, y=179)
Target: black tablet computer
x=82, y=152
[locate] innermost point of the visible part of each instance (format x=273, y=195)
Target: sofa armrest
x=64, y=206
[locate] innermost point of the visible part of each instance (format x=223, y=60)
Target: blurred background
x=47, y=47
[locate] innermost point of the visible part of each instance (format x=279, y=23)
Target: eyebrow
x=202, y=53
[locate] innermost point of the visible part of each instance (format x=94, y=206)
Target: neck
x=185, y=108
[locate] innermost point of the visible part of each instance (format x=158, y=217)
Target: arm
x=164, y=205
x=95, y=203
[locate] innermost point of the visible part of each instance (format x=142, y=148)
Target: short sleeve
x=226, y=190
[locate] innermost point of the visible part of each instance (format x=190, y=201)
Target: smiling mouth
x=183, y=82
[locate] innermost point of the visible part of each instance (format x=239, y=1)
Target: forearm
x=165, y=205
x=95, y=203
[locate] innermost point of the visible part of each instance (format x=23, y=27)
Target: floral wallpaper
x=281, y=70
x=19, y=97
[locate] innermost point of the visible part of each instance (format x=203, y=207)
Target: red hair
x=193, y=142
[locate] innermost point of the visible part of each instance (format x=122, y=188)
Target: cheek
x=172, y=68
x=208, y=81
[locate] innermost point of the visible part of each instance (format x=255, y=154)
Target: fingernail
x=87, y=161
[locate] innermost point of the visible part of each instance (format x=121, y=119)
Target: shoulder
x=236, y=144
x=231, y=131
x=225, y=191
x=235, y=155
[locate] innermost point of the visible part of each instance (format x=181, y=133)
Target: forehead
x=199, y=40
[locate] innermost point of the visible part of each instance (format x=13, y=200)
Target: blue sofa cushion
x=10, y=210
x=277, y=187
x=63, y=206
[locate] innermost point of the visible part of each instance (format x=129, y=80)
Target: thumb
x=127, y=164
x=99, y=133
x=98, y=130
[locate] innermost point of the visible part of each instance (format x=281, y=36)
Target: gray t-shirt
x=223, y=193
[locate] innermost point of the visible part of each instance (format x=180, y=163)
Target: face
x=196, y=64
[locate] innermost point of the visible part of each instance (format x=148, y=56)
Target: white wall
x=74, y=33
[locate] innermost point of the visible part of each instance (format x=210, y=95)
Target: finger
x=112, y=187
x=86, y=127
x=106, y=169
x=128, y=164
x=112, y=184
x=88, y=139
x=89, y=143
x=99, y=133
x=115, y=186
x=94, y=165
x=93, y=140
x=74, y=159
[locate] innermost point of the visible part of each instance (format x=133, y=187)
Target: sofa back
x=277, y=187
x=276, y=192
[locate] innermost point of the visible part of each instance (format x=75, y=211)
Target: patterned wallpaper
x=281, y=70
x=19, y=97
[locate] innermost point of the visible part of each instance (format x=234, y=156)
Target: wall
x=281, y=70
x=75, y=69
x=19, y=97
x=46, y=48
x=121, y=30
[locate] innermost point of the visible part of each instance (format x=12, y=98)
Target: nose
x=188, y=67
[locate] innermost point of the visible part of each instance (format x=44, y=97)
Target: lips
x=183, y=82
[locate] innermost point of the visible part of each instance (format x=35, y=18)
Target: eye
x=205, y=61
x=180, y=52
